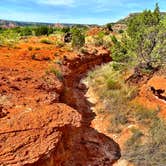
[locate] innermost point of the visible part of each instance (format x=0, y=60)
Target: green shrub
x=78, y=38
x=99, y=39
x=84, y=50
x=65, y=29
x=114, y=39
x=9, y=37
x=121, y=31
x=98, y=42
x=43, y=30
x=60, y=44
x=45, y=41
x=26, y=31
x=58, y=73
x=107, y=44
x=118, y=66
x=119, y=53
x=109, y=26
x=143, y=41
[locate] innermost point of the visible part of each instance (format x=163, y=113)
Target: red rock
x=40, y=131
x=28, y=137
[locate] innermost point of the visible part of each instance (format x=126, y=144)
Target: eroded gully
x=93, y=148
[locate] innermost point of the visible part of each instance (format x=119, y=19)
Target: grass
x=145, y=116
x=154, y=145
x=152, y=152
x=113, y=84
x=56, y=72
x=147, y=144
x=109, y=85
x=60, y=44
x=117, y=121
x=135, y=139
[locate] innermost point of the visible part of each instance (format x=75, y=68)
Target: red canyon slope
x=37, y=127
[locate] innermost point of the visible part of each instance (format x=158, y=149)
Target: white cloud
x=86, y=20
x=117, y=3
x=57, y=2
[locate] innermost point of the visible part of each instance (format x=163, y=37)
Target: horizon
x=73, y=11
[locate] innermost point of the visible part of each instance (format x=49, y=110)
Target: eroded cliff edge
x=38, y=128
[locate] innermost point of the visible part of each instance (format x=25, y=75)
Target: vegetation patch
x=140, y=48
x=109, y=85
x=56, y=72
x=78, y=38
x=46, y=41
x=153, y=151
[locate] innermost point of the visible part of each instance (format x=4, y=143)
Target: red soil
x=148, y=99
x=35, y=128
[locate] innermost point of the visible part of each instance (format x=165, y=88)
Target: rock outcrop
x=153, y=94
x=29, y=137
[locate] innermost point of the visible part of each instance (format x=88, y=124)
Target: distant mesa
x=13, y=24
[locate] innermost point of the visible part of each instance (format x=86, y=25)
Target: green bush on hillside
x=56, y=72
x=78, y=38
x=43, y=30
x=46, y=41
x=153, y=151
x=26, y=31
x=109, y=26
x=144, y=40
x=9, y=37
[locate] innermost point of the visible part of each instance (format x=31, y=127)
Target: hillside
x=11, y=24
x=83, y=96
x=130, y=16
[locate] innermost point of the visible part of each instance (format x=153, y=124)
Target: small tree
x=143, y=31
x=157, y=14
x=99, y=39
x=26, y=31
x=78, y=38
x=109, y=26
x=65, y=29
x=42, y=30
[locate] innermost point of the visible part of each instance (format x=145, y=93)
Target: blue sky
x=73, y=11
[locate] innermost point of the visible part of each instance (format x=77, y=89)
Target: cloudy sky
x=73, y=11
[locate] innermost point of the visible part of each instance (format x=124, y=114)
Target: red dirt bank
x=35, y=128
